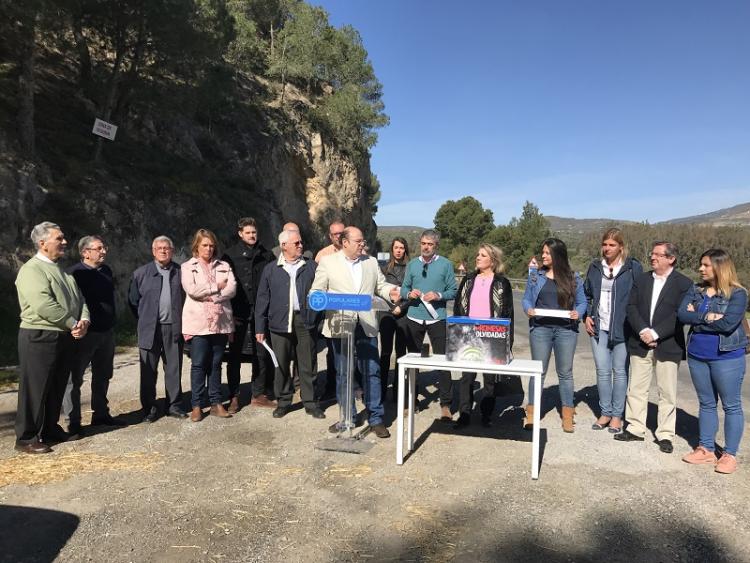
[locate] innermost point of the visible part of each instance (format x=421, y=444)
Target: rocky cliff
x=169, y=172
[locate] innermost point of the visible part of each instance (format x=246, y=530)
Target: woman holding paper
x=555, y=303
x=607, y=288
x=207, y=320
x=483, y=293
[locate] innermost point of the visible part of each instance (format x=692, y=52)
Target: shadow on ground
x=34, y=534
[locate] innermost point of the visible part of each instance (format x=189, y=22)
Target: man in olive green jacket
x=53, y=314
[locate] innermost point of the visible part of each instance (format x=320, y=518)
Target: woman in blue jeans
x=607, y=287
x=715, y=309
x=554, y=287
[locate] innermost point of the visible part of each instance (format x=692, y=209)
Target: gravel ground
x=253, y=488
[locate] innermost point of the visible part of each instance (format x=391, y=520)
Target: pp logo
x=317, y=301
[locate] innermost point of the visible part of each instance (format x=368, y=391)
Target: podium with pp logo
x=344, y=323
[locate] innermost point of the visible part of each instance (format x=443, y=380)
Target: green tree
x=463, y=222
x=520, y=239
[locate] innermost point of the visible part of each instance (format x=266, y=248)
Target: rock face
x=167, y=173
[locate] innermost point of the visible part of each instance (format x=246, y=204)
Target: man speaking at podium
x=349, y=271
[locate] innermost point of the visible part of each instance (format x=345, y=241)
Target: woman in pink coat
x=207, y=320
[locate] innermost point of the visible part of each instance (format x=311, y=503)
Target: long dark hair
x=392, y=263
x=564, y=279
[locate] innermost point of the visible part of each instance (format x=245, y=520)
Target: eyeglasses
x=611, y=274
x=424, y=269
x=359, y=242
x=659, y=254
x=97, y=249
x=295, y=243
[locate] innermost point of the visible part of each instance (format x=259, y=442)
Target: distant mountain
x=738, y=215
x=570, y=228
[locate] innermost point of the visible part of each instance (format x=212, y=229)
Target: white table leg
x=400, y=416
x=412, y=402
x=537, y=419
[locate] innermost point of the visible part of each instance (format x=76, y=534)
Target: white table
x=410, y=363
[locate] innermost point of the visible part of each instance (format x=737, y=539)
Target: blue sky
x=629, y=110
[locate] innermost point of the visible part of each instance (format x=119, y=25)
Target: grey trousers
x=170, y=352
x=97, y=349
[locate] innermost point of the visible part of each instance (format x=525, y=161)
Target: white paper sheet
x=430, y=309
x=559, y=313
x=273, y=356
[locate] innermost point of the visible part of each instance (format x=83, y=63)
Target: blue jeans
x=206, y=352
x=722, y=378
x=368, y=364
x=611, y=374
x=543, y=340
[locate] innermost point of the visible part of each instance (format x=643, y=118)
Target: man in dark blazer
x=156, y=297
x=248, y=258
x=282, y=310
x=656, y=345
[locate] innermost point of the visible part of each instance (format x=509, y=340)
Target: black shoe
x=75, y=429
x=464, y=419
x=55, y=435
x=177, y=412
x=315, y=412
x=152, y=415
x=626, y=436
x=380, y=431
x=486, y=421
x=107, y=420
x=280, y=412
x=665, y=446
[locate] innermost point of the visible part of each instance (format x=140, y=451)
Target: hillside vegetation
x=224, y=108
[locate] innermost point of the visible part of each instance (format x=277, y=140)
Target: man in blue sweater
x=428, y=283
x=97, y=348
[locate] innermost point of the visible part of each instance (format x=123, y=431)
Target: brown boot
x=234, y=405
x=196, y=415
x=568, y=424
x=219, y=410
x=528, y=421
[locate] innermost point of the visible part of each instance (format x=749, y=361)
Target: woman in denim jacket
x=554, y=286
x=715, y=309
x=607, y=287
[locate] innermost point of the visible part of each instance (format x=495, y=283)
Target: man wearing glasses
x=335, y=230
x=156, y=297
x=349, y=271
x=97, y=348
x=281, y=309
x=429, y=282
x=656, y=346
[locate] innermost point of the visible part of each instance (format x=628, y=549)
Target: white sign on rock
x=104, y=129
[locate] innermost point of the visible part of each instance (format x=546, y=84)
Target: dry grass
x=347, y=472
x=41, y=469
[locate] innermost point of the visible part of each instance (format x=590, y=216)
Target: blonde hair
x=725, y=274
x=496, y=256
x=616, y=235
x=200, y=234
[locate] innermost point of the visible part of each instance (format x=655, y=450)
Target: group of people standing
x=635, y=322
x=235, y=305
